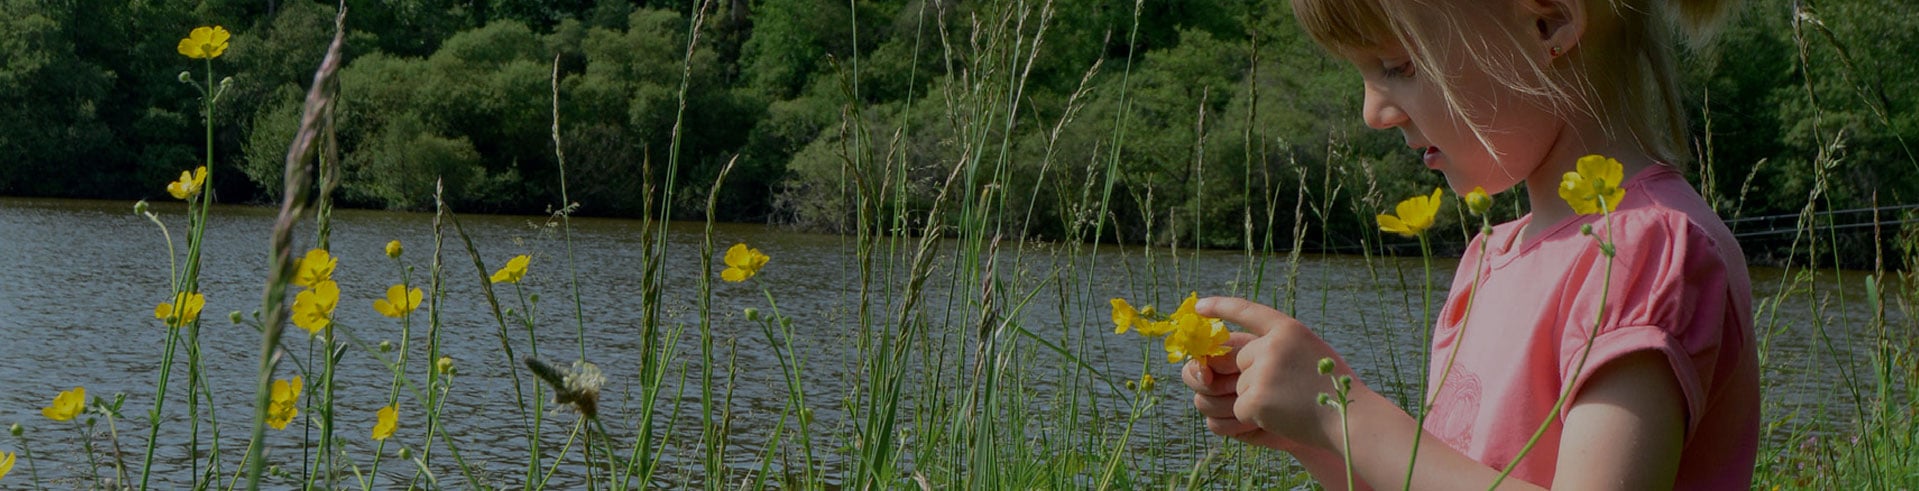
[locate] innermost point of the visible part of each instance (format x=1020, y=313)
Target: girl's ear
x=1557, y=24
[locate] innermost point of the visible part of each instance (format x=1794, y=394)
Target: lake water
x=79, y=281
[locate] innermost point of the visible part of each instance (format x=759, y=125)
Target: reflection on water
x=79, y=279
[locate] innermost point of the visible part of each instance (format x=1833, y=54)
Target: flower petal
x=736, y=256
x=1389, y=223
x=1123, y=315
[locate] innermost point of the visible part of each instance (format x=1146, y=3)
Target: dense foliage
x=1226, y=114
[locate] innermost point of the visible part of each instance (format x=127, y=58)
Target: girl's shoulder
x=1660, y=204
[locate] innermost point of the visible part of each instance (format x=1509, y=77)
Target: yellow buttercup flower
x=315, y=268
x=282, y=409
x=313, y=309
x=6, y=464
x=742, y=263
x=393, y=249
x=1415, y=215
x=66, y=405
x=189, y=184
x=1196, y=337
x=1593, y=186
x=184, y=308
x=1185, y=310
x=1188, y=334
x=1125, y=316
x=205, y=43
x=1478, y=202
x=398, y=302
x=388, y=419
x=514, y=270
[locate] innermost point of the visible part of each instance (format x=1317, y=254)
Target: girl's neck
x=1575, y=140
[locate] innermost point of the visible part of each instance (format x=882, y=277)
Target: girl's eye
x=1402, y=70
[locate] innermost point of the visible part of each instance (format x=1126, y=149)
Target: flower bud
x=1478, y=202
x=140, y=207
x=1324, y=399
x=405, y=454
x=1326, y=366
x=1586, y=229
x=386, y=346
x=786, y=322
x=752, y=314
x=235, y=317
x=535, y=298
x=186, y=77
x=225, y=83
x=445, y=365
x=393, y=249
x=16, y=430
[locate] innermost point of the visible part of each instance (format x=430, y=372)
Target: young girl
x=1496, y=94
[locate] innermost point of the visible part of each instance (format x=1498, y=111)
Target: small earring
x=1554, y=51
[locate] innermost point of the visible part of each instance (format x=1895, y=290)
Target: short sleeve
x=1668, y=292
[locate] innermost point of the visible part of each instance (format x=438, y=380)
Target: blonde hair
x=1621, y=73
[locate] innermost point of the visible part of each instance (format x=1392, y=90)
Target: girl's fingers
x=1214, y=407
x=1204, y=381
x=1256, y=318
x=1238, y=339
x=1229, y=427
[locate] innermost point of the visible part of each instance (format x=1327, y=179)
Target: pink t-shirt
x=1679, y=287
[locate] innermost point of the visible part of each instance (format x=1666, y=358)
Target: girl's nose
x=1381, y=113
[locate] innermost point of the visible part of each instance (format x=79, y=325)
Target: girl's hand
x=1266, y=390
x=1215, y=381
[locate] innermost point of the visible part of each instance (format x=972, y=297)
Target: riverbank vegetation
x=431, y=91
x=938, y=139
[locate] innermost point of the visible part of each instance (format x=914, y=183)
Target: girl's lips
x=1431, y=158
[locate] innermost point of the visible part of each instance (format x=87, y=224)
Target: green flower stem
x=435, y=380
x=192, y=281
x=33, y=472
x=1426, y=321
x=119, y=461
x=326, y=461
x=1458, y=339
x=1142, y=400
x=446, y=386
x=187, y=283
x=561, y=458
x=1346, y=438
x=86, y=438
x=539, y=391
x=399, y=368
x=1599, y=319
x=790, y=363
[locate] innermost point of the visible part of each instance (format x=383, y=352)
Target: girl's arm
x=1623, y=430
